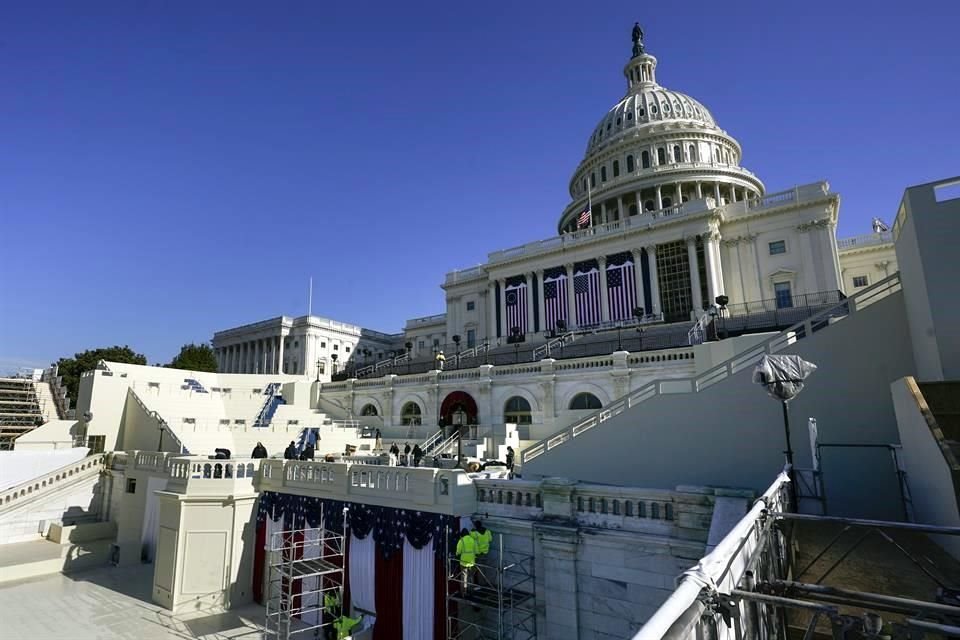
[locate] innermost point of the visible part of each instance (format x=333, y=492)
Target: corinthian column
x=654, y=284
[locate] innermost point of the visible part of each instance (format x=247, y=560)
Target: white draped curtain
x=151, y=519
x=363, y=572
x=418, y=580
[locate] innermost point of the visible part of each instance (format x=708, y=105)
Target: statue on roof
x=637, y=36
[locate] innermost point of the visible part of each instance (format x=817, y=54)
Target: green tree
x=195, y=357
x=72, y=368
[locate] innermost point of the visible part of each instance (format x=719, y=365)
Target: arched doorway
x=459, y=408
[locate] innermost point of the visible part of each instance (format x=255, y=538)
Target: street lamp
x=722, y=302
x=333, y=357
x=409, y=346
x=456, y=341
x=638, y=313
x=486, y=352
x=318, y=369
x=516, y=338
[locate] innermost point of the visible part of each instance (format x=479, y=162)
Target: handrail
x=271, y=392
x=429, y=443
x=698, y=332
x=739, y=362
x=51, y=480
x=544, y=349
x=163, y=423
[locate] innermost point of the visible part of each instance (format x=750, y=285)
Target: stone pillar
x=604, y=294
x=620, y=207
x=603, y=212
x=571, y=306
x=280, y=354
x=556, y=547
x=504, y=329
x=679, y=194
x=638, y=277
x=696, y=296
x=699, y=191
x=711, y=247
x=654, y=284
x=658, y=200
x=530, y=301
x=541, y=305
x=716, y=192
x=492, y=312
x=733, y=194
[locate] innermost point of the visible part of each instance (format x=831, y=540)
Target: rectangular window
x=784, y=297
x=323, y=345
x=859, y=281
x=436, y=342
x=471, y=338
x=323, y=368
x=470, y=305
x=778, y=247
x=421, y=344
x=616, y=168
x=336, y=347
x=131, y=485
x=346, y=349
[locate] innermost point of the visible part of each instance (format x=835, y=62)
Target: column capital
x=636, y=252
x=651, y=249
x=568, y=266
x=711, y=235
x=539, y=273
x=602, y=260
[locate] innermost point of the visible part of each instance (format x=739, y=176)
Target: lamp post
x=516, y=337
x=318, y=369
x=409, y=347
x=638, y=313
x=486, y=352
x=722, y=302
x=456, y=341
x=619, y=336
x=333, y=357
x=559, y=327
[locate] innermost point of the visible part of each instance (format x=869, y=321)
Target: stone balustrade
x=199, y=475
x=51, y=480
x=448, y=491
x=152, y=461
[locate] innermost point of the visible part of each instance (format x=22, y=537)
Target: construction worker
x=344, y=624
x=331, y=603
x=483, y=536
x=440, y=360
x=467, y=555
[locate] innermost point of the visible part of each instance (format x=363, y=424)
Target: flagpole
x=310, y=299
x=590, y=205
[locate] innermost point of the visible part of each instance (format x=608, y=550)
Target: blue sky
x=169, y=169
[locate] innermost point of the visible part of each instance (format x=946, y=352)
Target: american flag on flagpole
x=586, y=294
x=517, y=308
x=585, y=218
x=554, y=301
x=621, y=291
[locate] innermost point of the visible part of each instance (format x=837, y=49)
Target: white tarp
x=783, y=376
x=21, y=466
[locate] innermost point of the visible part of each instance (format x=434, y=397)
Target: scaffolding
x=305, y=565
x=496, y=602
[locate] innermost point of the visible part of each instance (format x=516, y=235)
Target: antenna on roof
x=310, y=299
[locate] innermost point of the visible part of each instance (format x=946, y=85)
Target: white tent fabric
x=151, y=519
x=363, y=573
x=418, y=580
x=311, y=586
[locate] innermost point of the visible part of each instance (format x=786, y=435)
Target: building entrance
x=459, y=408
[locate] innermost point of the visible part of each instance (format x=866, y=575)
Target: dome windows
x=630, y=165
x=616, y=168
x=603, y=174
x=609, y=124
x=593, y=180
x=661, y=156
x=677, y=153
x=653, y=109
x=645, y=159
x=642, y=112
x=618, y=122
x=693, y=154
x=630, y=115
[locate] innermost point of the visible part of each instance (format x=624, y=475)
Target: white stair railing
x=743, y=360
x=427, y=445
x=698, y=332
x=543, y=351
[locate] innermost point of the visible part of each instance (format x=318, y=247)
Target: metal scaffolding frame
x=498, y=603
x=303, y=568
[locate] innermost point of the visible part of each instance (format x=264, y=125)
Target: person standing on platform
x=417, y=455
x=406, y=454
x=290, y=453
x=440, y=359
x=510, y=458
x=378, y=443
x=483, y=536
x=307, y=453
x=259, y=451
x=467, y=555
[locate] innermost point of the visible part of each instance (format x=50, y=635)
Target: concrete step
x=23, y=560
x=85, y=532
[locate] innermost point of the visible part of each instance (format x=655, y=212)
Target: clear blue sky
x=173, y=168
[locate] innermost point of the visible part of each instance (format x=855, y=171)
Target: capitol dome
x=656, y=148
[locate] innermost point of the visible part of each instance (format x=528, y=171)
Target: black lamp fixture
x=333, y=357
x=722, y=302
x=516, y=338
x=409, y=347
x=456, y=341
x=318, y=369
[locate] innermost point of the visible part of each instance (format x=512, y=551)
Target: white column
x=541, y=306
x=280, y=354
x=699, y=191
x=530, y=302
x=716, y=192
x=711, y=247
x=620, y=207
x=679, y=199
x=604, y=294
x=231, y=359
x=659, y=199
x=696, y=296
x=639, y=203
x=571, y=307
x=654, y=284
x=504, y=329
x=638, y=276
x=603, y=212
x=733, y=194
x=492, y=311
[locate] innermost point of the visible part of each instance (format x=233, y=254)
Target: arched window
x=716, y=154
x=584, y=185
x=661, y=156
x=693, y=154
x=603, y=174
x=633, y=209
x=585, y=400
x=645, y=159
x=630, y=165
x=648, y=205
x=616, y=168
x=677, y=153
x=517, y=411
x=368, y=410
x=410, y=414
x=667, y=201
x=593, y=180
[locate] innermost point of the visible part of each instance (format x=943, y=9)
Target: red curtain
x=388, y=596
x=440, y=599
x=259, y=560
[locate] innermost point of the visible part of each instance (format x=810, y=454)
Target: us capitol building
x=673, y=222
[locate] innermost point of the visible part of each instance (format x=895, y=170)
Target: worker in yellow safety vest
x=343, y=625
x=440, y=360
x=483, y=536
x=331, y=603
x=467, y=555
